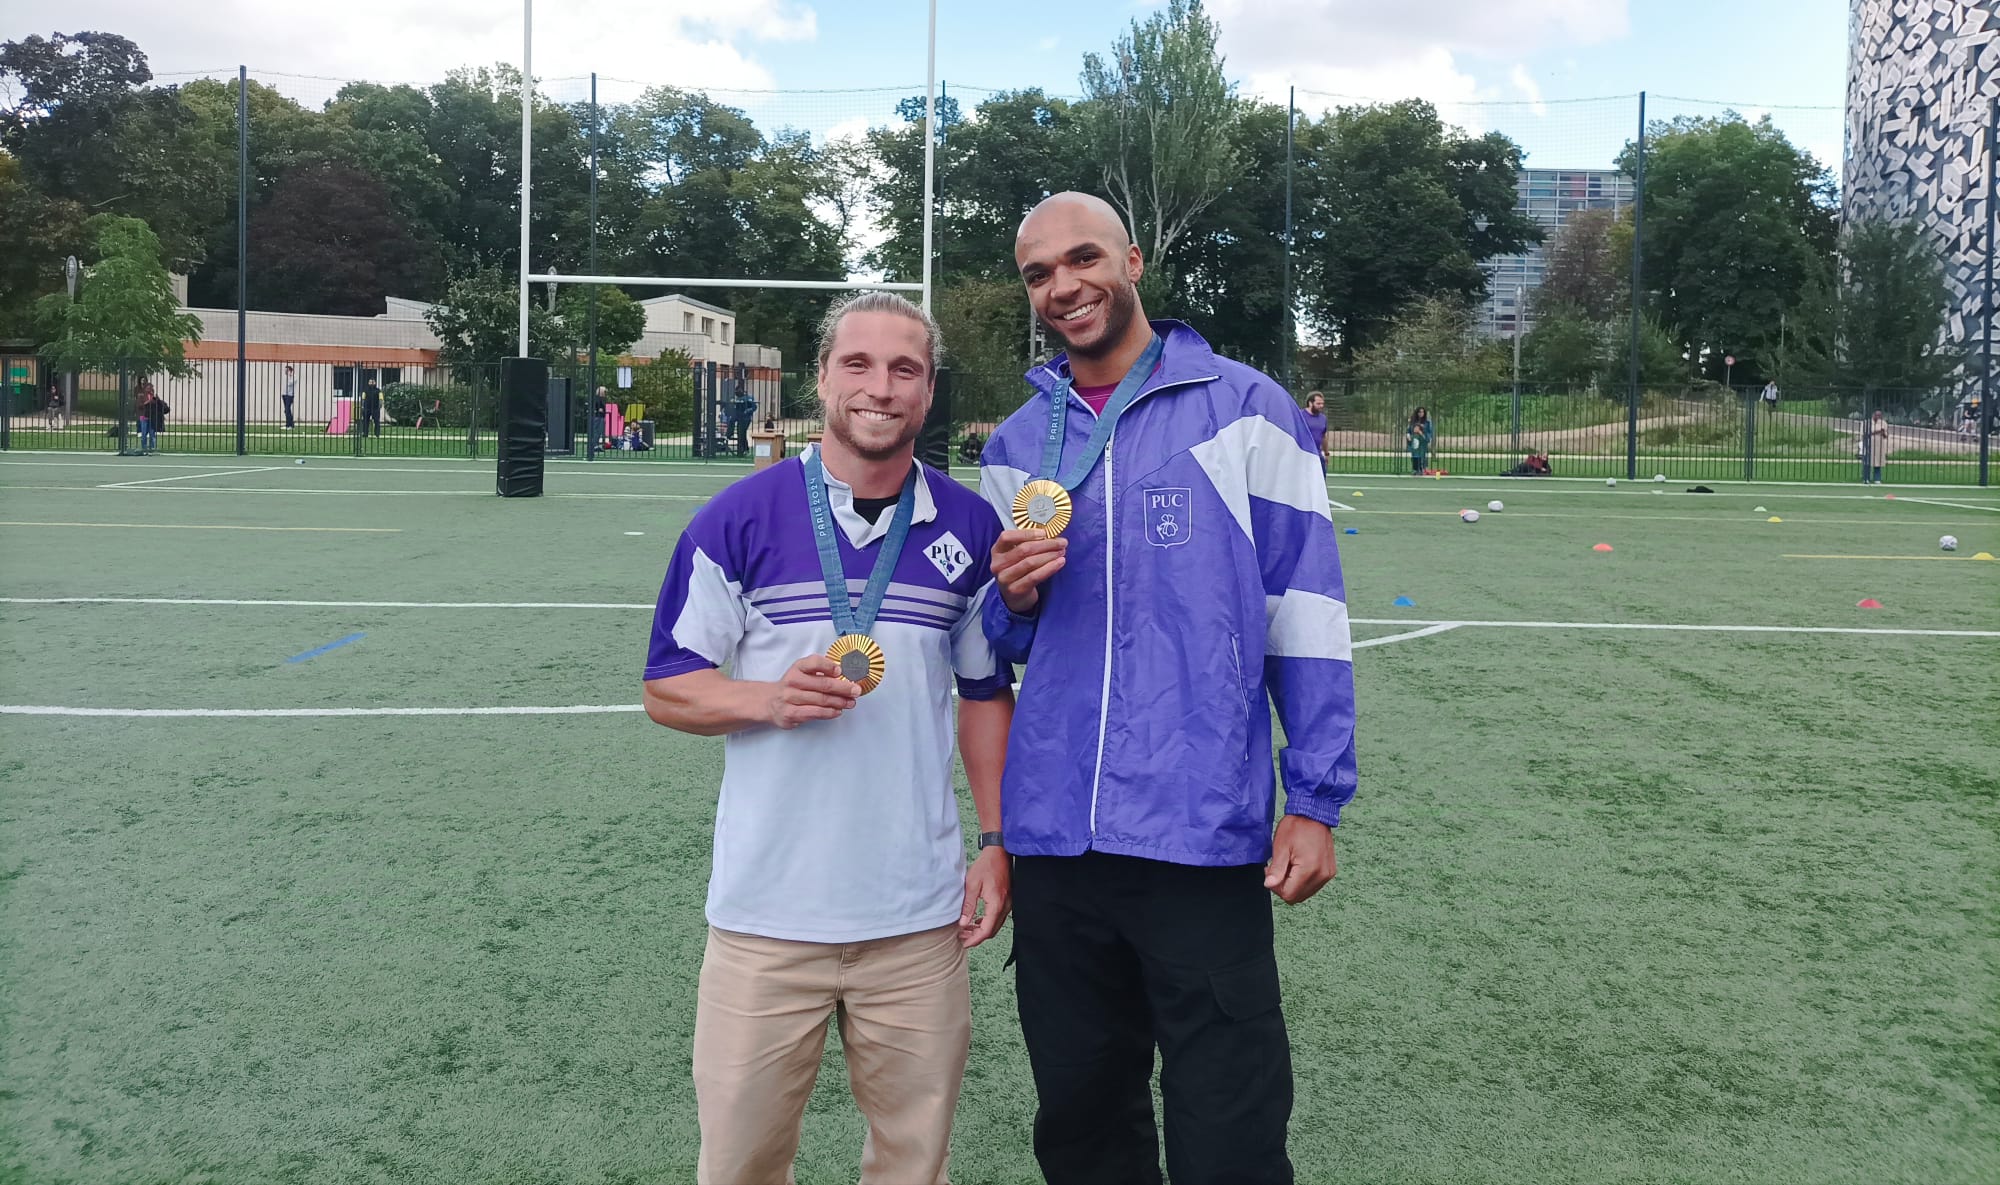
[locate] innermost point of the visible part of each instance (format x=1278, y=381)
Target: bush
x=456, y=402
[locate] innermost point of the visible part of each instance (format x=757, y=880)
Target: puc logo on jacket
x=1168, y=510
x=948, y=556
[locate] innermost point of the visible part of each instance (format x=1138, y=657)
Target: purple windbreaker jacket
x=1209, y=591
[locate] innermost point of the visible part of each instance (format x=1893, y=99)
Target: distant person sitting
x=633, y=441
x=1532, y=465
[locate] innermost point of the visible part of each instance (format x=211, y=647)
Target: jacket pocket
x=1246, y=990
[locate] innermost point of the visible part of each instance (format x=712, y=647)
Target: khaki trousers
x=905, y=1010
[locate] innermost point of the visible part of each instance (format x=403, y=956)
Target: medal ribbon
x=1100, y=435
x=847, y=618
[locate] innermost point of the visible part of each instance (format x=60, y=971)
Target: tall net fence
x=378, y=269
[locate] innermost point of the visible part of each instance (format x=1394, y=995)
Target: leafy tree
x=1229, y=267
x=620, y=319
x=1891, y=309
x=1158, y=115
x=125, y=317
x=1397, y=208
x=1433, y=343
x=37, y=233
x=82, y=132
x=478, y=324
x=1583, y=276
x=330, y=241
x=1565, y=348
x=1737, y=218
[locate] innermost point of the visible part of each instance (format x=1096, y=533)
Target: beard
x=1121, y=305
x=842, y=428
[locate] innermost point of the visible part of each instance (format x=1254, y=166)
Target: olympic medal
x=860, y=660
x=1043, y=506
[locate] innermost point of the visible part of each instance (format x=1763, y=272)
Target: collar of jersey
x=859, y=531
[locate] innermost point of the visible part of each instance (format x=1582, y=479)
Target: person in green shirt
x=1417, y=437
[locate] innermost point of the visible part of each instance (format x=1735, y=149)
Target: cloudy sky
x=1513, y=64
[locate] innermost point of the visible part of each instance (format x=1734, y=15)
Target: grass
x=1613, y=905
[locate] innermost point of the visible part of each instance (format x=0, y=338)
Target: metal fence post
x=1638, y=238
x=1986, y=365
x=242, y=249
x=1749, y=436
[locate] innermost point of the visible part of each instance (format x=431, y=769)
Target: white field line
x=1425, y=632
x=1953, y=505
x=291, y=713
x=1337, y=504
x=123, y=485
x=1450, y=623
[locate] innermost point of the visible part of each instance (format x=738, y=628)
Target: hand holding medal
x=857, y=655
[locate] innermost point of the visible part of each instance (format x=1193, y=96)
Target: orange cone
x=1602, y=547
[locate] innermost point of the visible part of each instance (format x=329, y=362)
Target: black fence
x=1701, y=432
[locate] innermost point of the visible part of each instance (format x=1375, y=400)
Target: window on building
x=687, y=322
x=725, y=333
x=708, y=327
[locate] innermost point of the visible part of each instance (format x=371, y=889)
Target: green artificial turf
x=1614, y=905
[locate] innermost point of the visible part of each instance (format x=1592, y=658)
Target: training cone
x=1774, y=519
x=1355, y=494
x=1868, y=603
x=1602, y=547
x=1405, y=603
x=1984, y=555
x=1354, y=530
x=1760, y=510
x=1891, y=497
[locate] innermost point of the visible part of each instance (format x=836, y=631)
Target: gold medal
x=860, y=660
x=1043, y=506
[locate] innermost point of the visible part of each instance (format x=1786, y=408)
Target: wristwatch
x=989, y=839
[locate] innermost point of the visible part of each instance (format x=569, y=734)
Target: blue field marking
x=315, y=653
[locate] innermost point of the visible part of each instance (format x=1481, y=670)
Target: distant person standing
x=152, y=417
x=1316, y=425
x=371, y=409
x=1877, y=448
x=1771, y=397
x=742, y=411
x=290, y=395
x=1417, y=438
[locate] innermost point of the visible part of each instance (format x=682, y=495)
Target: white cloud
x=1525, y=84
x=688, y=43
x=1048, y=43
x=1395, y=49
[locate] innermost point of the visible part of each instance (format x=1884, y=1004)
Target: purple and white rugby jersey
x=838, y=830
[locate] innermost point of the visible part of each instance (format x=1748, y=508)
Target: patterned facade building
x=1921, y=79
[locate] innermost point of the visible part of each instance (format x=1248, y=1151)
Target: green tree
x=84, y=131
x=1891, y=308
x=37, y=233
x=328, y=240
x=1583, y=276
x=1737, y=219
x=1433, y=343
x=620, y=319
x=1158, y=116
x=1566, y=348
x=1396, y=207
x=125, y=318
x=1229, y=267
x=478, y=324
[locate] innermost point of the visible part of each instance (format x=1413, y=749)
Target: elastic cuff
x=1318, y=810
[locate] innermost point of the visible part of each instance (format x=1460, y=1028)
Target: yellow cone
x=1774, y=519
x=1984, y=555
x=1355, y=494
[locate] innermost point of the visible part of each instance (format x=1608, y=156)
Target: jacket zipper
x=1110, y=551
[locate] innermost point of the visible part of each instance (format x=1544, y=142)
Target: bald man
x=1193, y=582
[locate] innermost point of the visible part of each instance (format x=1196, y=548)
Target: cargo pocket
x=1247, y=990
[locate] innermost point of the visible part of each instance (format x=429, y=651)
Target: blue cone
x=1405, y=603
x=1353, y=530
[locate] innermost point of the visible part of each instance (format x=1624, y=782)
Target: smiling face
x=1082, y=273
x=875, y=381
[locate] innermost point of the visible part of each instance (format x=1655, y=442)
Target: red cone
x=1602, y=547
x=1868, y=603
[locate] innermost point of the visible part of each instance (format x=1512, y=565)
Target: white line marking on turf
x=1452, y=623
x=1427, y=631
x=122, y=485
x=1337, y=504
x=1953, y=505
x=259, y=713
